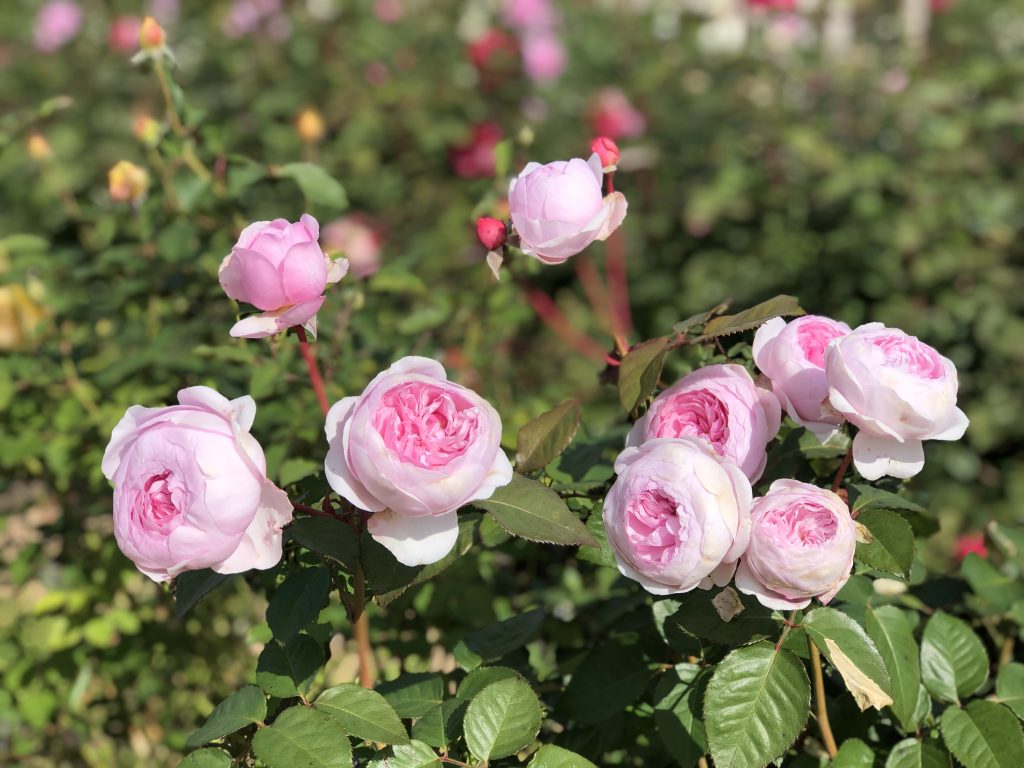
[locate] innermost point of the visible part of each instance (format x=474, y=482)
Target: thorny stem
x=788, y=625
x=819, y=698
x=841, y=472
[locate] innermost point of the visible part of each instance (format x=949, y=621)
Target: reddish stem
x=552, y=317
x=618, y=287
x=314, y=371
x=843, y=466
x=596, y=293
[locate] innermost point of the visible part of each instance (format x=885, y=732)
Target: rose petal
x=415, y=540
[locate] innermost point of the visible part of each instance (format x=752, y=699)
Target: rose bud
x=898, y=391
x=412, y=449
x=151, y=35
x=278, y=267
x=558, y=210
x=57, y=24
x=677, y=518
x=146, y=130
x=357, y=241
x=310, y=126
x=721, y=405
x=802, y=541
x=191, y=488
x=39, y=148
x=127, y=182
x=792, y=356
x=614, y=115
x=491, y=232
x=608, y=151
x=968, y=544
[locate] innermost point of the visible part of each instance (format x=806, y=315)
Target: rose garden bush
x=418, y=516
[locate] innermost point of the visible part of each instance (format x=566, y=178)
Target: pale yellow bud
x=310, y=126
x=128, y=182
x=39, y=148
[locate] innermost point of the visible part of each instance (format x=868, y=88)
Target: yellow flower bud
x=146, y=130
x=128, y=182
x=19, y=317
x=151, y=35
x=39, y=148
x=310, y=126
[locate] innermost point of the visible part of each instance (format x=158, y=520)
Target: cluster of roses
x=681, y=515
x=191, y=489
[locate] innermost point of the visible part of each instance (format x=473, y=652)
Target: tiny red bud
x=491, y=232
x=607, y=150
x=151, y=35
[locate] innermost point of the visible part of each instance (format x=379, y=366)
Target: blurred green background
x=876, y=174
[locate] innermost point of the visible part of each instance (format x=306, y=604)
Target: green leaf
x=207, y=758
x=864, y=497
x=695, y=614
x=983, y=735
x=363, y=713
x=502, y=719
x=854, y=753
x=243, y=173
x=1010, y=687
x=384, y=574
x=480, y=678
x=893, y=635
x=639, y=372
x=316, y=184
x=289, y=670
x=748, y=319
x=243, y=707
x=755, y=706
x=438, y=726
x=610, y=678
x=192, y=586
x=849, y=649
x=416, y=754
x=332, y=538
x=498, y=639
x=298, y=601
x=543, y=439
x=678, y=704
x=698, y=319
x=994, y=592
x=302, y=737
x=953, y=660
x=913, y=753
x=413, y=695
x=550, y=756
x=294, y=470
x=891, y=548
x=532, y=511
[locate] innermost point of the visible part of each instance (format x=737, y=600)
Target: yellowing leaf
x=728, y=604
x=865, y=690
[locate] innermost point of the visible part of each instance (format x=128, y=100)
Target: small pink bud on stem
x=608, y=151
x=491, y=232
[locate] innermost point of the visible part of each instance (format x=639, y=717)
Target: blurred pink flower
x=388, y=11
x=475, y=159
x=543, y=56
x=773, y=5
x=529, y=14
x=614, y=115
x=358, y=242
x=164, y=11
x=492, y=43
x=123, y=35
x=970, y=543
x=257, y=17
x=57, y=24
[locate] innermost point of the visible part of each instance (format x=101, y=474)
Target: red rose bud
x=151, y=35
x=607, y=150
x=968, y=544
x=491, y=232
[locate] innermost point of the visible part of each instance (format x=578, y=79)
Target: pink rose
x=191, y=488
x=614, y=115
x=898, y=391
x=677, y=518
x=543, y=55
x=57, y=24
x=529, y=14
x=357, y=241
x=558, y=210
x=475, y=158
x=802, y=542
x=278, y=267
x=412, y=449
x=792, y=355
x=721, y=405
x=123, y=35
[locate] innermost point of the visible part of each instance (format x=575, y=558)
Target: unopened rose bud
x=608, y=151
x=146, y=130
x=39, y=148
x=310, y=126
x=151, y=35
x=491, y=232
x=128, y=183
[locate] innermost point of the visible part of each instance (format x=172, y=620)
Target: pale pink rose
x=191, y=488
x=614, y=115
x=57, y=24
x=412, y=449
x=123, y=35
x=898, y=391
x=721, y=405
x=676, y=517
x=543, y=54
x=802, y=542
x=357, y=241
x=792, y=356
x=279, y=267
x=529, y=14
x=557, y=209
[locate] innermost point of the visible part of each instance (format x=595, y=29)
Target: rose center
x=909, y=354
x=157, y=509
x=426, y=425
x=800, y=525
x=656, y=525
x=697, y=413
x=813, y=337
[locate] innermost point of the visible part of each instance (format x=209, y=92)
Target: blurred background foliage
x=874, y=174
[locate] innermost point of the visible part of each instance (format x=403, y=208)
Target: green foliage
x=363, y=713
x=530, y=510
x=502, y=719
x=301, y=737
x=244, y=707
x=893, y=635
x=983, y=735
x=954, y=663
x=543, y=439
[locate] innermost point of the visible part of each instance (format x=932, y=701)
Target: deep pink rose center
x=813, y=337
x=656, y=527
x=697, y=413
x=426, y=425
x=157, y=506
x=802, y=524
x=911, y=355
